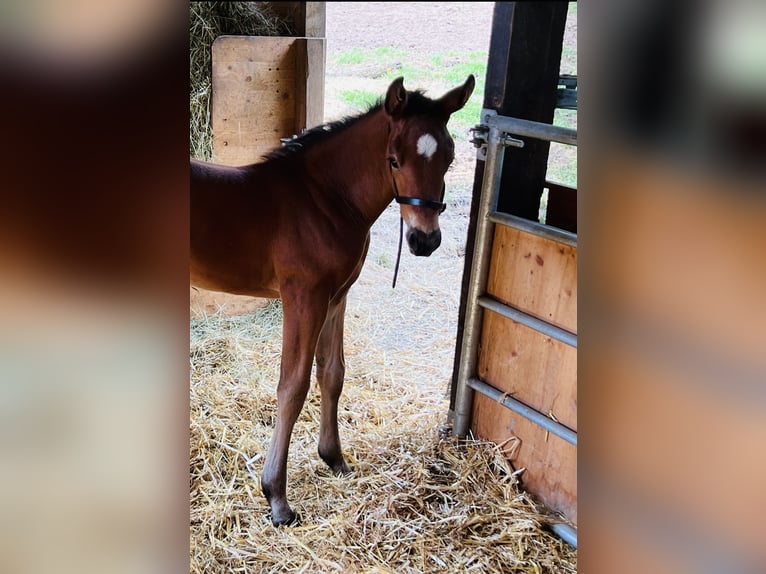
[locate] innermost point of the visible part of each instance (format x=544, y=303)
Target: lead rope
x=401, y=227
x=399, y=251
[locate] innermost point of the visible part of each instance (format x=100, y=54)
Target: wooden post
x=522, y=81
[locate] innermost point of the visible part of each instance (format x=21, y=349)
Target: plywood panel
x=310, y=66
x=264, y=89
x=535, y=275
x=539, y=277
x=550, y=462
x=539, y=371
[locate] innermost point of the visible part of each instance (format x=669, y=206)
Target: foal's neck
x=356, y=166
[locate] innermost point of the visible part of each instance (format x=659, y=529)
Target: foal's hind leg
x=304, y=313
x=331, y=368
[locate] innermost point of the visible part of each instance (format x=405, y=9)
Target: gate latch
x=480, y=136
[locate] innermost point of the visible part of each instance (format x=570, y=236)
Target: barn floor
x=416, y=502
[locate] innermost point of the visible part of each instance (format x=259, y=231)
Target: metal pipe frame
x=536, y=130
x=467, y=383
x=565, y=532
x=482, y=253
x=535, y=228
x=528, y=320
x=525, y=411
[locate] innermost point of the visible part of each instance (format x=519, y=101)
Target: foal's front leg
x=304, y=312
x=331, y=368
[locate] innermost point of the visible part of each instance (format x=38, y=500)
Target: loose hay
x=416, y=502
x=207, y=21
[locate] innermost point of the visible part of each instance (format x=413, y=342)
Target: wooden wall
x=539, y=277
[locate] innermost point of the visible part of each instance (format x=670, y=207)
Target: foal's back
x=255, y=227
x=234, y=215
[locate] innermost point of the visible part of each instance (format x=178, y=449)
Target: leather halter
x=414, y=201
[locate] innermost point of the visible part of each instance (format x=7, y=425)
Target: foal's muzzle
x=422, y=243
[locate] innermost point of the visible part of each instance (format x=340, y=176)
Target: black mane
x=417, y=104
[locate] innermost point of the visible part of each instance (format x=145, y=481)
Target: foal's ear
x=455, y=99
x=396, y=97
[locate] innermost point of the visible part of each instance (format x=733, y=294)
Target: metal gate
x=499, y=132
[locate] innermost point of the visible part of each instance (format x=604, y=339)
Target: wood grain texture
x=539, y=277
x=536, y=275
x=264, y=89
x=539, y=371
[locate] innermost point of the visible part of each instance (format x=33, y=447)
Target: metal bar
x=535, y=228
x=537, y=130
x=520, y=408
x=565, y=532
x=566, y=99
x=469, y=349
x=528, y=320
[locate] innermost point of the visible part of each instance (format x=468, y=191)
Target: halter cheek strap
x=417, y=202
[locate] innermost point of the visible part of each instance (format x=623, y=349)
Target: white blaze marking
x=411, y=222
x=427, y=145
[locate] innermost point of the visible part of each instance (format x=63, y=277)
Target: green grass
x=360, y=99
x=445, y=70
x=356, y=56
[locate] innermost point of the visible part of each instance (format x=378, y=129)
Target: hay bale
x=207, y=21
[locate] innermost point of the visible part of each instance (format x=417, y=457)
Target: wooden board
x=539, y=371
x=263, y=89
x=539, y=277
x=535, y=275
x=550, y=462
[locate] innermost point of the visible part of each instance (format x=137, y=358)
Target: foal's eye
x=392, y=161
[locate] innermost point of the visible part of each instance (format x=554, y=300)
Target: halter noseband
x=440, y=206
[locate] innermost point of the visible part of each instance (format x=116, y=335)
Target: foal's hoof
x=337, y=464
x=341, y=469
x=289, y=519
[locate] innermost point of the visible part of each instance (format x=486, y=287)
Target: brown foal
x=296, y=226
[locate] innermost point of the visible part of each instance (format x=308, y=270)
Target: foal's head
x=420, y=150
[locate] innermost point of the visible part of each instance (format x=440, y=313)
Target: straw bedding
x=416, y=502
